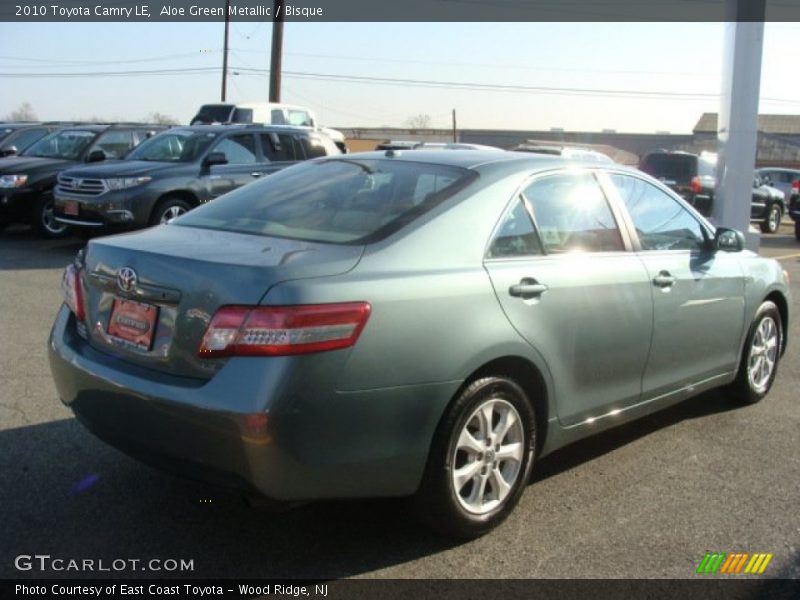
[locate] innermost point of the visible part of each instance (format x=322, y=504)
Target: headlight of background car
x=120, y=183
x=13, y=181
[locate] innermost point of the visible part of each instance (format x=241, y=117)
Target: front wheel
x=797, y=230
x=43, y=218
x=762, y=351
x=773, y=220
x=480, y=460
x=168, y=209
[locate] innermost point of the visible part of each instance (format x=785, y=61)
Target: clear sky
x=659, y=60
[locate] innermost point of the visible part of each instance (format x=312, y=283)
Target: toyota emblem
x=126, y=279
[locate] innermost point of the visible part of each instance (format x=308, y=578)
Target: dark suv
x=27, y=181
x=693, y=176
x=177, y=170
x=794, y=208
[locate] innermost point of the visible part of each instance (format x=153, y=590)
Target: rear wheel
x=762, y=351
x=480, y=460
x=169, y=208
x=773, y=220
x=43, y=219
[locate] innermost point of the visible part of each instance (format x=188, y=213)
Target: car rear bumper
x=314, y=445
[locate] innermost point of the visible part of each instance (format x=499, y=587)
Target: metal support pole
x=276, y=56
x=225, y=54
x=455, y=135
x=737, y=125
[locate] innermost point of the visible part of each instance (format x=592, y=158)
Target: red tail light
x=283, y=330
x=796, y=184
x=72, y=291
x=695, y=185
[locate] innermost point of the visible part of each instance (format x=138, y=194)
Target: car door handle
x=527, y=288
x=664, y=279
x=256, y=174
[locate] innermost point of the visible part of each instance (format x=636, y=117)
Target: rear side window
x=516, y=235
x=572, y=214
x=660, y=221
x=279, y=147
x=677, y=168
x=338, y=201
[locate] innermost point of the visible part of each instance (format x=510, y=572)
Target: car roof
x=226, y=127
x=474, y=158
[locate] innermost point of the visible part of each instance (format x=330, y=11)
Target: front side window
x=516, y=235
x=338, y=201
x=238, y=149
x=174, y=145
x=572, y=214
x=114, y=144
x=661, y=222
x=66, y=145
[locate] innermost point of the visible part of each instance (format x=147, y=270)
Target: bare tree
x=23, y=113
x=418, y=122
x=160, y=119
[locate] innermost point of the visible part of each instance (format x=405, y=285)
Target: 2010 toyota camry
x=422, y=324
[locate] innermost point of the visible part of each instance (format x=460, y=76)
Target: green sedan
x=423, y=324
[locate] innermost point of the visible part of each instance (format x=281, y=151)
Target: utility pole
x=455, y=135
x=225, y=54
x=276, y=57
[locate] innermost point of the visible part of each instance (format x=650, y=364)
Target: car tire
x=480, y=460
x=169, y=208
x=760, y=356
x=797, y=230
x=772, y=222
x=43, y=218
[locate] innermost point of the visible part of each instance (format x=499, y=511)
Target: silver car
x=422, y=324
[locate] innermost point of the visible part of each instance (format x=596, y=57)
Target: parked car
x=27, y=181
x=177, y=170
x=16, y=137
x=694, y=177
x=570, y=152
x=265, y=113
x=794, y=208
x=780, y=178
x=332, y=332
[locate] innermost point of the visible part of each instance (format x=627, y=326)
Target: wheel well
x=783, y=308
x=528, y=377
x=181, y=195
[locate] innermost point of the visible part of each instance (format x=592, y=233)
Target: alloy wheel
x=488, y=456
x=170, y=213
x=49, y=222
x=763, y=354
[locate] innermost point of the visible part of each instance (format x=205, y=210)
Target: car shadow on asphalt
x=67, y=494
x=708, y=403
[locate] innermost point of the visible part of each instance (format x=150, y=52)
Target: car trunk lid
x=150, y=296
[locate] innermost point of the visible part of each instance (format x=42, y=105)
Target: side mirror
x=215, y=158
x=10, y=151
x=96, y=156
x=728, y=240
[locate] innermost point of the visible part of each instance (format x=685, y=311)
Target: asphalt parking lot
x=647, y=500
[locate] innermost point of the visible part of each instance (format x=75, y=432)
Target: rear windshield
x=679, y=168
x=336, y=201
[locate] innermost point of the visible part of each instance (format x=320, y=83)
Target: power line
x=360, y=79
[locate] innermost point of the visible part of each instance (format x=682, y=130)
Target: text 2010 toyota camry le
x=421, y=324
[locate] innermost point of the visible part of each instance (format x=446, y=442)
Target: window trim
x=604, y=176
